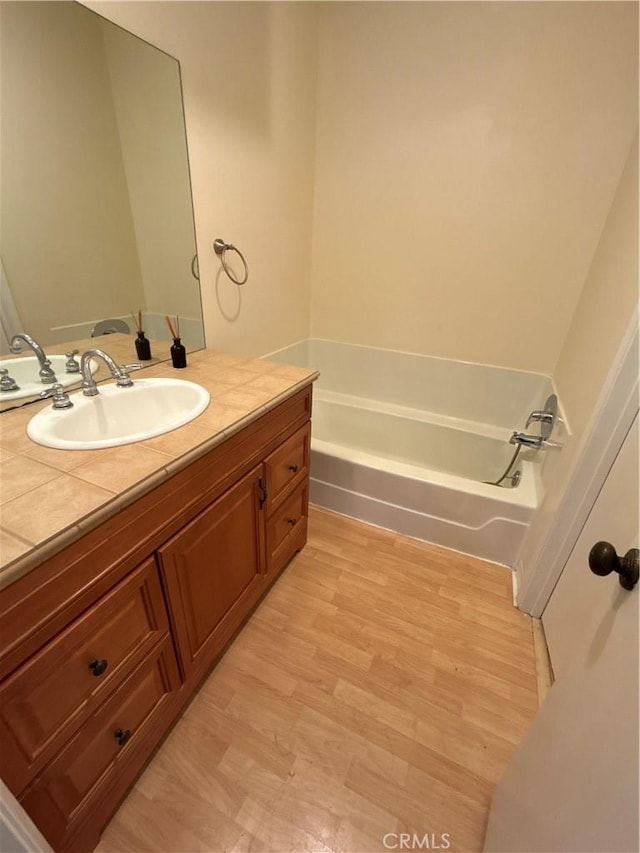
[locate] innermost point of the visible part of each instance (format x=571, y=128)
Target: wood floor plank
x=444, y=812
x=380, y=687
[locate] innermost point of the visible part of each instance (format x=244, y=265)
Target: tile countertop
x=49, y=498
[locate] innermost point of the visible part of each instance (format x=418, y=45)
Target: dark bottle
x=178, y=354
x=143, y=347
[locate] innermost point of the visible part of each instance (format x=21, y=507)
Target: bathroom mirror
x=97, y=217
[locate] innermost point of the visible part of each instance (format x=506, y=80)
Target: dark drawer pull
x=291, y=521
x=293, y=468
x=97, y=667
x=263, y=493
x=122, y=735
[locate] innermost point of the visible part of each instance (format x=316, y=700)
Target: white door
x=572, y=784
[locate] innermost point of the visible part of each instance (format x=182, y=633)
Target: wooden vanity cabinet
x=104, y=643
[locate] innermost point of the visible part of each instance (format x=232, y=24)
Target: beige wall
x=606, y=304
x=56, y=241
x=467, y=156
x=602, y=316
x=446, y=196
x=248, y=72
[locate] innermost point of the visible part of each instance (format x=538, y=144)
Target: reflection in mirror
x=97, y=219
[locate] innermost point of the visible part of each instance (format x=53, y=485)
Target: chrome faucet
x=118, y=371
x=47, y=376
x=547, y=418
x=59, y=396
x=525, y=440
x=7, y=383
x=71, y=365
x=542, y=417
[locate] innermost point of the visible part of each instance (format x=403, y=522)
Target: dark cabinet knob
x=291, y=521
x=293, y=468
x=122, y=735
x=603, y=560
x=97, y=667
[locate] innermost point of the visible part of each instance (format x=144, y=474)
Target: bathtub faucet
x=543, y=417
x=525, y=440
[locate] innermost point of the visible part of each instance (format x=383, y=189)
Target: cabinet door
x=213, y=573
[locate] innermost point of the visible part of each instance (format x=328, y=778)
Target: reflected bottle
x=143, y=347
x=178, y=354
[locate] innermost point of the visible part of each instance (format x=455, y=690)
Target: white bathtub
x=406, y=441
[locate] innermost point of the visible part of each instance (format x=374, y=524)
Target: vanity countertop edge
x=242, y=390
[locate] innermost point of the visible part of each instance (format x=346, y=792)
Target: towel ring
x=195, y=267
x=220, y=247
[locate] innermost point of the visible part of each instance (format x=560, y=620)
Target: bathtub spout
x=525, y=440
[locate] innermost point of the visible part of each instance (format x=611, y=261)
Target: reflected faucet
x=118, y=371
x=47, y=376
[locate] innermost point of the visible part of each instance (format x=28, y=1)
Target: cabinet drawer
x=287, y=529
x=47, y=699
x=63, y=793
x=289, y=463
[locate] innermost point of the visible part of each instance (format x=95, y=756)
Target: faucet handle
x=123, y=380
x=7, y=383
x=60, y=397
x=71, y=365
x=46, y=373
x=544, y=417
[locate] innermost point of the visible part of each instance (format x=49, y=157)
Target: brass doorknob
x=603, y=560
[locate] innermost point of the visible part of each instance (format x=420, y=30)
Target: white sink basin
x=119, y=415
x=25, y=372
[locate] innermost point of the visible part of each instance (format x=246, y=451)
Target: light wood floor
x=380, y=687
